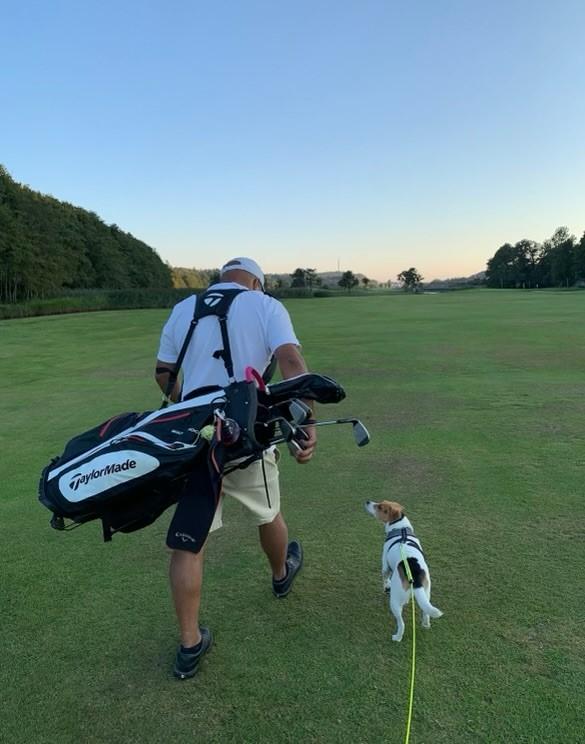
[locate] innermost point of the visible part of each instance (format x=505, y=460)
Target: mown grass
x=476, y=405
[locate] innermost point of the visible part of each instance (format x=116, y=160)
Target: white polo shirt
x=257, y=325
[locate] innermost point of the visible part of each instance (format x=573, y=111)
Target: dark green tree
x=411, y=279
x=580, y=259
x=348, y=280
x=311, y=278
x=526, y=263
x=501, y=270
x=559, y=257
x=298, y=278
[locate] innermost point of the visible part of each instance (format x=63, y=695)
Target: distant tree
x=580, y=259
x=365, y=281
x=310, y=277
x=298, y=278
x=559, y=257
x=559, y=261
x=500, y=268
x=194, y=278
x=411, y=279
x=348, y=280
x=556, y=259
x=527, y=263
x=514, y=265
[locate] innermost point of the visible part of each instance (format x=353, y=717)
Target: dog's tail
x=421, y=599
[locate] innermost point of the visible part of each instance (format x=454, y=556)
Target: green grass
x=476, y=406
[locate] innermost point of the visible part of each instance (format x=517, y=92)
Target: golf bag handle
x=252, y=375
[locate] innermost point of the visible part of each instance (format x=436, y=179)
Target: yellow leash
x=411, y=693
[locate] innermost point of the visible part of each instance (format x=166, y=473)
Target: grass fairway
x=476, y=406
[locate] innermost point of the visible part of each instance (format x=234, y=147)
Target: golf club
x=299, y=411
x=360, y=433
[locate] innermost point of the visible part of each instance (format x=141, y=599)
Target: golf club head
x=299, y=411
x=287, y=431
x=360, y=434
x=294, y=447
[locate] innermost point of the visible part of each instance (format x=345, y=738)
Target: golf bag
x=128, y=470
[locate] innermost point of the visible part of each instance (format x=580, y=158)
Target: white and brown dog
x=400, y=541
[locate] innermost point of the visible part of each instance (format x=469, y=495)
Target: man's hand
x=291, y=364
x=307, y=445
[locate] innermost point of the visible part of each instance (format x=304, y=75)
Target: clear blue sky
x=383, y=134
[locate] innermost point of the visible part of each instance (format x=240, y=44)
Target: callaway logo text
x=184, y=537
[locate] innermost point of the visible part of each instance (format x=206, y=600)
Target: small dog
x=400, y=540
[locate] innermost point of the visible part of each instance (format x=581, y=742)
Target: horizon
x=332, y=271
x=376, y=135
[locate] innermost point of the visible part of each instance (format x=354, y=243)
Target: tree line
x=47, y=246
x=308, y=278
x=193, y=278
x=557, y=262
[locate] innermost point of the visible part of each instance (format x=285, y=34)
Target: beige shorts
x=255, y=487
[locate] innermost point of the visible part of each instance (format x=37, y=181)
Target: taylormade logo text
x=106, y=471
x=80, y=479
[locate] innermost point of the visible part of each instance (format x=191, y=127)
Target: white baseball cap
x=243, y=264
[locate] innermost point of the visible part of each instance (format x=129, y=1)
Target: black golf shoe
x=186, y=664
x=294, y=562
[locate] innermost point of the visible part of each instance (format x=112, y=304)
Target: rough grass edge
x=85, y=301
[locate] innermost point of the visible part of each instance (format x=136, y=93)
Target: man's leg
x=186, y=538
x=258, y=489
x=274, y=541
x=286, y=559
x=186, y=575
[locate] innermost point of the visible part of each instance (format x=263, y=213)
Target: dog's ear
x=396, y=510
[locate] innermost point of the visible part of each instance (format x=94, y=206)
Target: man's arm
x=291, y=364
x=290, y=361
x=162, y=375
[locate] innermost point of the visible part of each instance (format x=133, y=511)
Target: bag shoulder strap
x=211, y=302
x=218, y=302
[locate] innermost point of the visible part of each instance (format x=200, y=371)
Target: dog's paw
x=426, y=623
x=397, y=637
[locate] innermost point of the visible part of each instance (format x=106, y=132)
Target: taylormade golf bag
x=129, y=469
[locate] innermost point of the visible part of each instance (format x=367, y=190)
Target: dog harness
x=407, y=537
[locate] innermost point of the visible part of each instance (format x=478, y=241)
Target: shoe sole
x=185, y=675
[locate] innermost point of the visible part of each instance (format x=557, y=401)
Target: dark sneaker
x=186, y=665
x=294, y=562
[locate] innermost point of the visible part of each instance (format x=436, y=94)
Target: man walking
x=258, y=327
